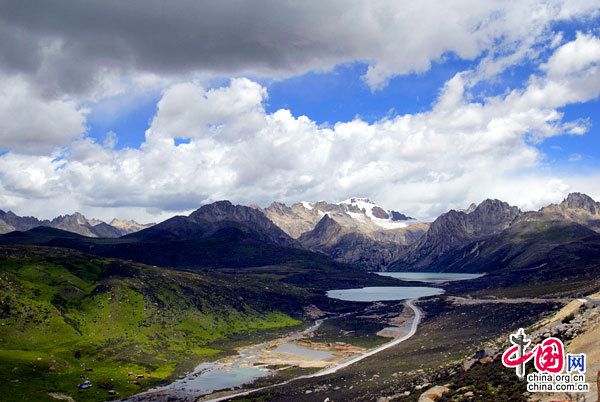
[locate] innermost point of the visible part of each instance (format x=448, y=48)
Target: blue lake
x=213, y=378
x=383, y=293
x=430, y=277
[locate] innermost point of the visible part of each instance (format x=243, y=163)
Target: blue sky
x=326, y=98
x=342, y=95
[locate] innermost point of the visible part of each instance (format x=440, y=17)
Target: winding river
x=243, y=369
x=331, y=370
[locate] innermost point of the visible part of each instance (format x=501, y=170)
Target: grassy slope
x=64, y=314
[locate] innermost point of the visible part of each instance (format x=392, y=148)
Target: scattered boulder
x=433, y=393
x=486, y=360
x=467, y=364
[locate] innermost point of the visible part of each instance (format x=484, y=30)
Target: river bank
x=286, y=359
x=297, y=356
x=414, y=323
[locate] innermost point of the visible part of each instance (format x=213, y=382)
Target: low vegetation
x=66, y=317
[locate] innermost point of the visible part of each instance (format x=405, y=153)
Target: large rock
x=433, y=393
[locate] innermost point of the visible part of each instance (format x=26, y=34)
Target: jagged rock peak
x=11, y=213
x=75, y=218
x=221, y=213
x=129, y=226
x=495, y=207
x=325, y=223
x=581, y=201
x=279, y=206
x=225, y=210
x=354, y=200
x=398, y=216
x=327, y=231
x=471, y=208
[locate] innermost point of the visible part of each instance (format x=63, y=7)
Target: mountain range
x=455, y=229
x=76, y=223
x=216, y=235
x=360, y=214
x=555, y=249
x=484, y=237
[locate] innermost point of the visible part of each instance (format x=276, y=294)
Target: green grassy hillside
x=65, y=315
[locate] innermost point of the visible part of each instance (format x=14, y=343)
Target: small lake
x=430, y=277
x=213, y=378
x=383, y=293
x=299, y=350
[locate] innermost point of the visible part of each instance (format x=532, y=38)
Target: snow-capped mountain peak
x=357, y=214
x=386, y=219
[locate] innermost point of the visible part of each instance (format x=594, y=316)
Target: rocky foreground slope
x=577, y=324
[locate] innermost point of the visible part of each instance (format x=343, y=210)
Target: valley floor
x=449, y=334
x=441, y=353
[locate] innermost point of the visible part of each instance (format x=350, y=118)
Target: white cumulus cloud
x=31, y=123
x=424, y=163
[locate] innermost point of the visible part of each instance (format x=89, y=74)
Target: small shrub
x=568, y=318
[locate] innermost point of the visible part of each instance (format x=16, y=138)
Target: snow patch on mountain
x=386, y=219
x=307, y=205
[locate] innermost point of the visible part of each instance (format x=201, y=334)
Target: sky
x=146, y=109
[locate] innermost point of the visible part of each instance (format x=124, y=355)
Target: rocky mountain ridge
x=221, y=218
x=350, y=232
x=345, y=245
x=76, y=223
x=359, y=214
x=355, y=231
x=455, y=229
x=495, y=234
x=576, y=207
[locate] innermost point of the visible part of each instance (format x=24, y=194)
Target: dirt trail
x=468, y=301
